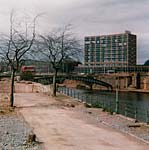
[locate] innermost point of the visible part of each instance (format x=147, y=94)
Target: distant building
x=116, y=50
x=66, y=66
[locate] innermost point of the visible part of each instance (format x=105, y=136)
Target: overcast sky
x=88, y=17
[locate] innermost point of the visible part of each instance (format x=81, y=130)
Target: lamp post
x=104, y=69
x=116, y=95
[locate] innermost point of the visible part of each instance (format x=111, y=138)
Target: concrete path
x=60, y=130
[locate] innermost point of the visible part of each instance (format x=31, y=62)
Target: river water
x=131, y=104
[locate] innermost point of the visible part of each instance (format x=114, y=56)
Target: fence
x=103, y=101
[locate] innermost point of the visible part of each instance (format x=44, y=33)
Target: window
x=102, y=37
x=86, y=38
x=101, y=41
x=104, y=45
x=92, y=41
x=87, y=42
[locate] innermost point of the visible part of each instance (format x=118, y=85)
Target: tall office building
x=116, y=50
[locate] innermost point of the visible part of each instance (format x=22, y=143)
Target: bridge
x=87, y=80
x=48, y=79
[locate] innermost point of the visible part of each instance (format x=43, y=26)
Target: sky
x=88, y=17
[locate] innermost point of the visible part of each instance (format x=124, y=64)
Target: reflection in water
x=139, y=99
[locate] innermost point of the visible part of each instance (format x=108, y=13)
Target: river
x=131, y=104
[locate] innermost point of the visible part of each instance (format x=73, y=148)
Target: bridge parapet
x=86, y=80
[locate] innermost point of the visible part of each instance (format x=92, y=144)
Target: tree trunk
x=54, y=82
x=12, y=88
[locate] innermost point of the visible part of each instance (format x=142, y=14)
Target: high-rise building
x=116, y=50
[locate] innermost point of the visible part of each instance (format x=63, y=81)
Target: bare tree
x=15, y=46
x=57, y=46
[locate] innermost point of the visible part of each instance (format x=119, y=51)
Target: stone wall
x=144, y=81
x=122, y=82
x=29, y=87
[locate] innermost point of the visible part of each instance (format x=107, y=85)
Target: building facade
x=116, y=50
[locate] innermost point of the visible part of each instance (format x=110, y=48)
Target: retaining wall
x=29, y=87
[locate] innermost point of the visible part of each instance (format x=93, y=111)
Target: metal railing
x=124, y=107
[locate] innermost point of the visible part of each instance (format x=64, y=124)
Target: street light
x=104, y=69
x=116, y=100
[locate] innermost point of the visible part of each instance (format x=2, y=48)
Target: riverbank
x=116, y=121
x=79, y=84
x=135, y=90
x=67, y=124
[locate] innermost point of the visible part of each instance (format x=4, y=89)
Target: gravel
x=14, y=133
